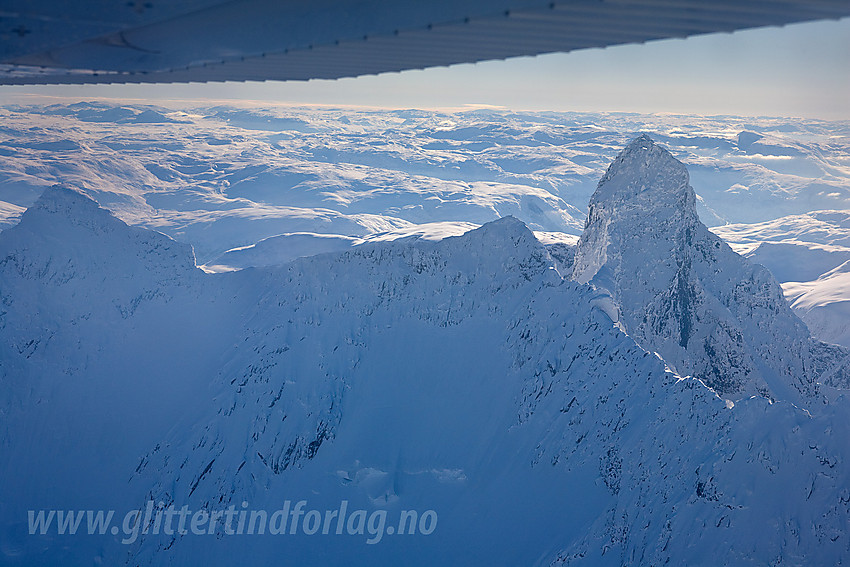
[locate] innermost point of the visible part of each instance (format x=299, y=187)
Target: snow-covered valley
x=639, y=395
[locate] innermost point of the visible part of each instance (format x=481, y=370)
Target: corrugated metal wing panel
x=252, y=40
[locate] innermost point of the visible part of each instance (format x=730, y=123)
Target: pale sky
x=797, y=70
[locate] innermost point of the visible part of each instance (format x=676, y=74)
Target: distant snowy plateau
x=517, y=320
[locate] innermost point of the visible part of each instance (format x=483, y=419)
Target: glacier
x=503, y=382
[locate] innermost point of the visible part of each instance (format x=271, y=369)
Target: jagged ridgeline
x=657, y=404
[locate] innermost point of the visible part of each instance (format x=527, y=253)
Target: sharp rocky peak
x=644, y=197
x=647, y=176
x=682, y=292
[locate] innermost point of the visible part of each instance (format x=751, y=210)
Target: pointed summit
x=647, y=174
x=645, y=192
x=64, y=199
x=682, y=292
x=66, y=235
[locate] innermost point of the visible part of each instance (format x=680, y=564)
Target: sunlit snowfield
x=323, y=179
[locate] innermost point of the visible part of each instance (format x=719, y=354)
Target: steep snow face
x=682, y=292
x=67, y=248
x=107, y=334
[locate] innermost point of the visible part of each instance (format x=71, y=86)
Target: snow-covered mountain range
x=276, y=183
x=644, y=396
x=224, y=177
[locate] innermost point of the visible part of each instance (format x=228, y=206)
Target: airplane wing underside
x=159, y=41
